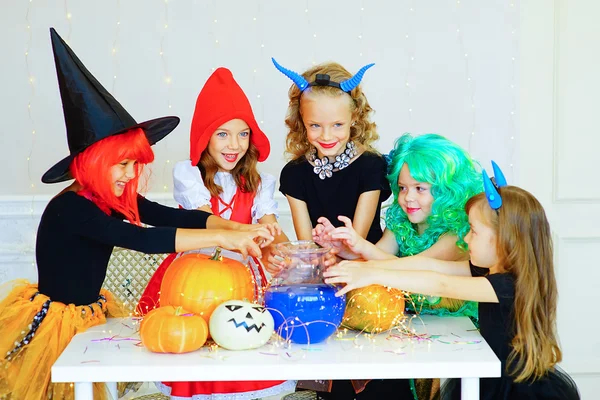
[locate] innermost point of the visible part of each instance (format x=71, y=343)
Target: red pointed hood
x=221, y=100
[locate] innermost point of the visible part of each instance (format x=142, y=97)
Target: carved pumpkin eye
x=233, y=307
x=260, y=309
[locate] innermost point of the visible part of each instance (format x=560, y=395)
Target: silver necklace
x=325, y=168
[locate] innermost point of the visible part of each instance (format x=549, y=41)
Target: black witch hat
x=91, y=113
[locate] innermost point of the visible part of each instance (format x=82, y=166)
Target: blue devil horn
x=294, y=76
x=353, y=82
x=498, y=175
x=492, y=195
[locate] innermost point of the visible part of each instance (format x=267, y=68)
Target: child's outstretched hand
x=355, y=274
x=322, y=234
x=352, y=242
x=273, y=260
x=273, y=228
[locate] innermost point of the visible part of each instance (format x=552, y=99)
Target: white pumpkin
x=239, y=325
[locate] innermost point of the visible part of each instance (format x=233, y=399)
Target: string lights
x=470, y=82
x=115, y=47
x=259, y=27
x=410, y=55
x=31, y=80
x=361, y=28
x=513, y=73
x=168, y=80
x=32, y=126
x=214, y=35
x=314, y=34
x=69, y=24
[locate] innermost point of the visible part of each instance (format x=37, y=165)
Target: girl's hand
x=322, y=236
x=351, y=241
x=321, y=232
x=354, y=274
x=246, y=242
x=274, y=260
x=273, y=228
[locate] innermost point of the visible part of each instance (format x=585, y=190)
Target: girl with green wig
x=431, y=179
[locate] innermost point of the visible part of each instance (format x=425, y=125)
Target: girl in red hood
x=221, y=178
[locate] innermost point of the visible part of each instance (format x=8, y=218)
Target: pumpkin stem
x=217, y=255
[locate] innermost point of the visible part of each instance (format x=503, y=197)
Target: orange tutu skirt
x=26, y=358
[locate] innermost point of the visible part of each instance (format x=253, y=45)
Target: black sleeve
x=84, y=218
x=291, y=182
x=374, y=175
x=504, y=286
x=155, y=214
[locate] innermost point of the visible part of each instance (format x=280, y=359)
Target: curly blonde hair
x=363, y=131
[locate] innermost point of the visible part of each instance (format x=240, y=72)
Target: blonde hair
x=245, y=174
x=363, y=131
x=524, y=248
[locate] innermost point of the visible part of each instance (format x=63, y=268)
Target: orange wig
x=91, y=169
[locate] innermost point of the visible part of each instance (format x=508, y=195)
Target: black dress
x=75, y=240
x=496, y=324
x=335, y=196
x=338, y=195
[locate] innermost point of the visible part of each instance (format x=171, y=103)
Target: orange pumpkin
x=199, y=283
x=173, y=330
x=373, y=308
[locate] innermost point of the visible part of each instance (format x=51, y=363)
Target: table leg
x=112, y=389
x=84, y=391
x=469, y=389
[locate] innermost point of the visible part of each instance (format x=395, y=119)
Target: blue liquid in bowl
x=311, y=308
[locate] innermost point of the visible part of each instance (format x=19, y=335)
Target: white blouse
x=190, y=192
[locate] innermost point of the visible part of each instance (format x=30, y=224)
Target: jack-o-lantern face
x=239, y=325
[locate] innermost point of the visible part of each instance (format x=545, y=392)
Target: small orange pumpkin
x=199, y=283
x=374, y=308
x=173, y=330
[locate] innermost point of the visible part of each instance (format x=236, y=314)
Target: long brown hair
x=363, y=131
x=524, y=248
x=91, y=169
x=245, y=174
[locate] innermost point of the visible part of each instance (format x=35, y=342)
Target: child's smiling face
x=415, y=198
x=327, y=120
x=229, y=143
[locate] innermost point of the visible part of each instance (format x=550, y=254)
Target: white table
x=449, y=348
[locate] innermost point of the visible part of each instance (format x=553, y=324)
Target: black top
x=75, y=240
x=496, y=324
x=339, y=194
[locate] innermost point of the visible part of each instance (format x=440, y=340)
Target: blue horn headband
x=491, y=187
x=323, y=79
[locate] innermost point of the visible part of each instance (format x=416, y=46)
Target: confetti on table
x=461, y=342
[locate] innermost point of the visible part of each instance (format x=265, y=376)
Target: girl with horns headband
x=510, y=274
x=334, y=170
x=82, y=224
x=221, y=178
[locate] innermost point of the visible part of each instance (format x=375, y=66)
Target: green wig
x=454, y=178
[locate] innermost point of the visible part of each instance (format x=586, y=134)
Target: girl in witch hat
x=82, y=224
x=221, y=178
x=510, y=274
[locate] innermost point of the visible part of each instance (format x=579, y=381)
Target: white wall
x=434, y=47
x=534, y=84
x=558, y=146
